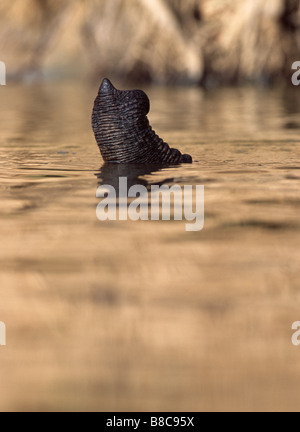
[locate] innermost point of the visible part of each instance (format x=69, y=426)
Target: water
x=145, y=316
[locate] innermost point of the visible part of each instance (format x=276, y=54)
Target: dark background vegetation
x=206, y=42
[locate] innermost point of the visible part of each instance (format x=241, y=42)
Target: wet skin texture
x=123, y=132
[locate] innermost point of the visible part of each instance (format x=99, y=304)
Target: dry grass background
x=165, y=41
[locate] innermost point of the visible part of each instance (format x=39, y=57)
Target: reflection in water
x=144, y=316
x=148, y=200
x=110, y=174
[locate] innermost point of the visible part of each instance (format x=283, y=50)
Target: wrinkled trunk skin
x=123, y=132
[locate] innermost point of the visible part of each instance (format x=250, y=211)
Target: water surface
x=145, y=316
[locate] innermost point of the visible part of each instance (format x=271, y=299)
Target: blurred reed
x=208, y=42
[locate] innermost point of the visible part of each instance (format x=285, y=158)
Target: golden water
x=145, y=316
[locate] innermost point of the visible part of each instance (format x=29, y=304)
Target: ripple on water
x=144, y=313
